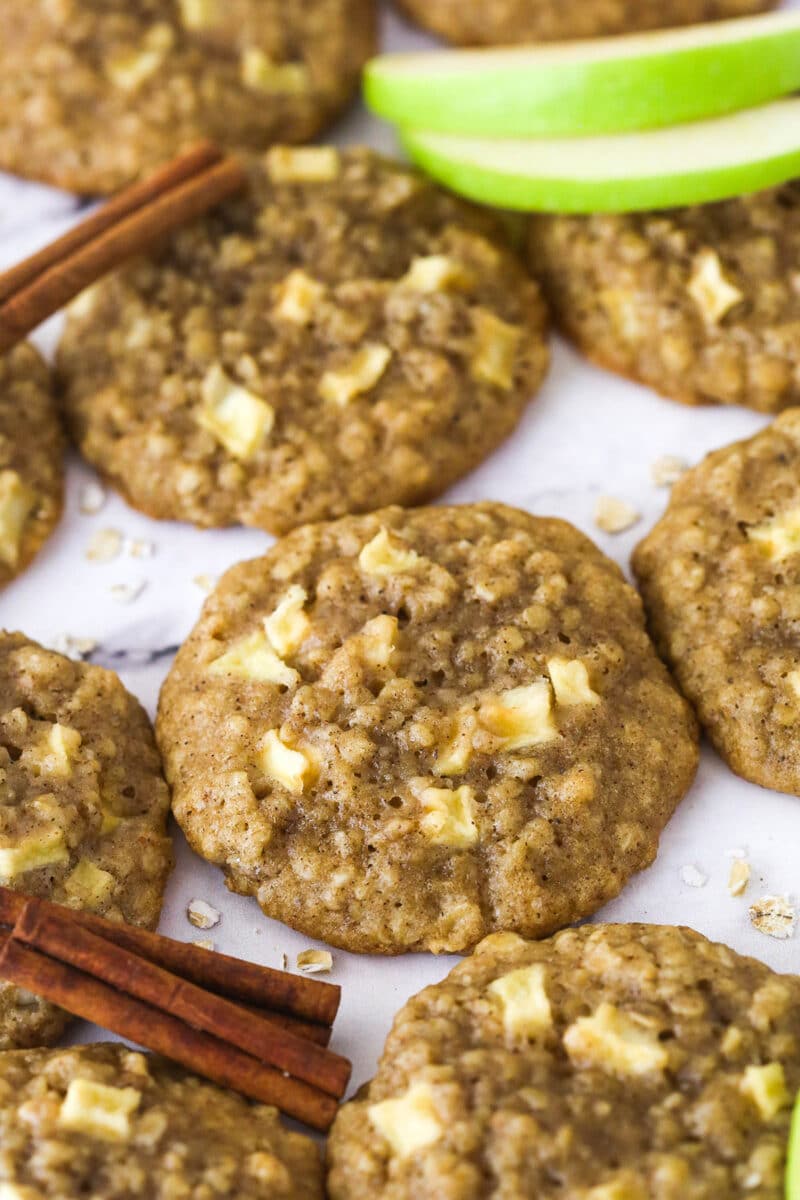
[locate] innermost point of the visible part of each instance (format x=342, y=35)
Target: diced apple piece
x=89, y=884
x=611, y=1040
x=303, y=164
x=778, y=537
x=449, y=818
x=17, y=501
x=99, y=1111
x=35, y=851
x=521, y=717
x=387, y=554
x=356, y=378
x=254, y=658
x=523, y=1000
x=282, y=764
x=409, y=1123
x=570, y=680
x=766, y=1087
x=237, y=419
x=288, y=626
x=260, y=73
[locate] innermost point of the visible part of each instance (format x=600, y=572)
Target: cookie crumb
x=72, y=647
x=693, y=876
x=140, y=547
x=775, y=916
x=202, y=915
x=91, y=499
x=284, y=962
x=315, y=962
x=613, y=515
x=667, y=470
x=204, y=944
x=104, y=546
x=126, y=593
x=739, y=877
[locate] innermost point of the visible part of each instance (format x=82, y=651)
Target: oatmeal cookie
x=83, y=805
x=108, y=1122
x=702, y=304
x=499, y=22
x=720, y=576
x=344, y=337
x=616, y=1062
x=31, y=450
x=406, y=730
x=95, y=92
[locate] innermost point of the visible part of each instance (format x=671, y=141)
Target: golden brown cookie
x=406, y=730
x=497, y=22
x=31, y=451
x=83, y=804
x=346, y=336
x=720, y=576
x=702, y=304
x=616, y=1062
x=107, y=1122
x=96, y=92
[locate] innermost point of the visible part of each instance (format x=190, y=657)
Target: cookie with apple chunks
x=720, y=577
x=612, y=1062
x=345, y=335
x=505, y=22
x=83, y=805
x=702, y=304
x=403, y=731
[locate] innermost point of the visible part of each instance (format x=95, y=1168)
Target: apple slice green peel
x=793, y=1158
x=609, y=85
x=664, y=168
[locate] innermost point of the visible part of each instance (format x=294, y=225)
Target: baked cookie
x=31, y=450
x=96, y=92
x=406, y=730
x=498, y=22
x=346, y=336
x=702, y=304
x=616, y=1062
x=720, y=576
x=83, y=805
x=107, y=1122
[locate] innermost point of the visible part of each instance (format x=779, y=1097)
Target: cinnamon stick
x=131, y=224
x=54, y=933
x=310, y=999
x=199, y=1052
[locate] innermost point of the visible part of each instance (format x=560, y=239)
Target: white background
x=586, y=434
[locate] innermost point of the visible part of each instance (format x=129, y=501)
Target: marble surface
x=587, y=434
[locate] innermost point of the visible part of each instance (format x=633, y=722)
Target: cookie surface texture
x=701, y=304
x=97, y=92
x=501, y=22
x=616, y=1062
x=83, y=804
x=106, y=1121
x=406, y=730
x=31, y=454
x=344, y=337
x=719, y=574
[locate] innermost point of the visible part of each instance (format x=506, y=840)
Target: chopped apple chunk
x=237, y=419
x=523, y=1000
x=779, y=536
x=766, y=1087
x=570, y=680
x=254, y=658
x=33, y=852
x=291, y=768
x=89, y=884
x=713, y=294
x=521, y=717
x=379, y=637
x=61, y=747
x=387, y=554
x=298, y=297
x=409, y=1123
x=200, y=14
x=449, y=818
x=495, y=351
x=303, y=164
x=288, y=626
x=437, y=273
x=129, y=70
x=262, y=74
x=17, y=501
x=611, y=1040
x=359, y=376
x=99, y=1111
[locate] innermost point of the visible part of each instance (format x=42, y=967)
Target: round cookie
x=499, y=22
x=106, y=1121
x=344, y=337
x=96, y=92
x=406, y=730
x=83, y=804
x=612, y=1062
x=31, y=450
x=720, y=577
x=702, y=304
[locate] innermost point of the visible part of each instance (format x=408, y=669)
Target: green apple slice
x=793, y=1156
x=609, y=85
x=688, y=164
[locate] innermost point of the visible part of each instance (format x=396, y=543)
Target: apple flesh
x=629, y=172
x=609, y=85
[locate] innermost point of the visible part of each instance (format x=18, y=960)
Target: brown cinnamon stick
x=53, y=932
x=131, y=224
x=310, y=999
x=86, y=997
